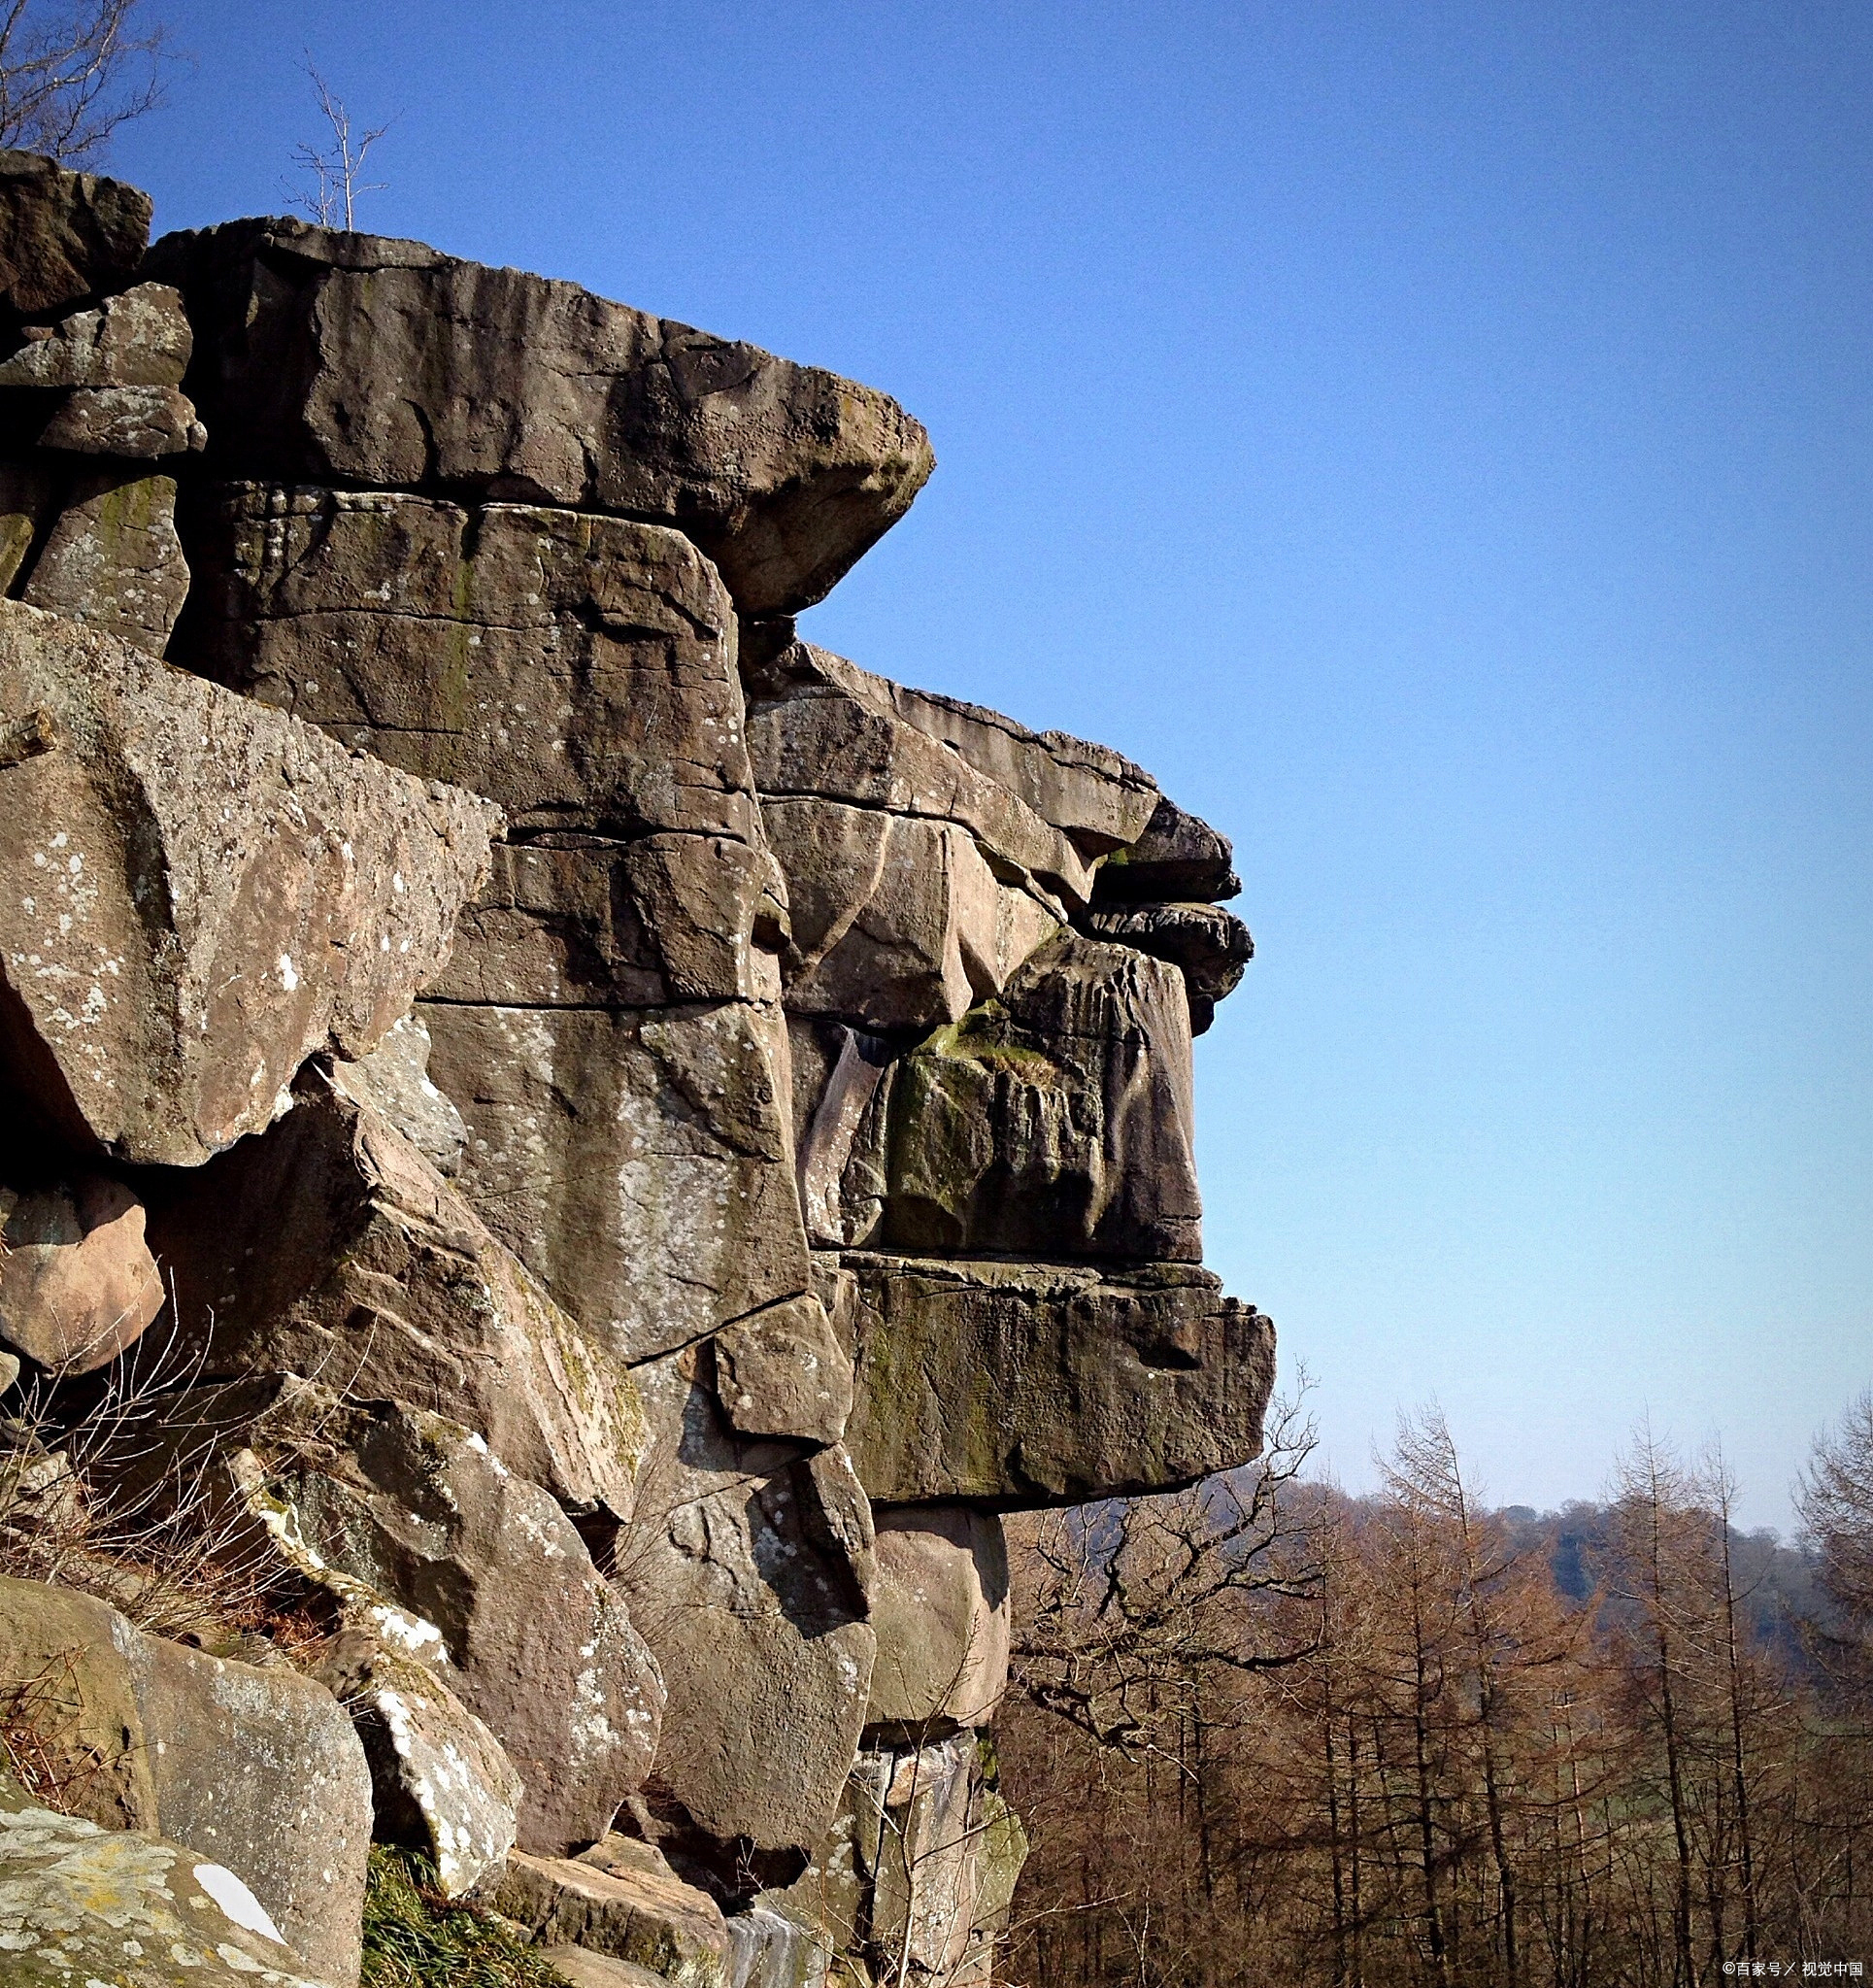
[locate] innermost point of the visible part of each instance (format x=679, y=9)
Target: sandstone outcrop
x=655, y=1134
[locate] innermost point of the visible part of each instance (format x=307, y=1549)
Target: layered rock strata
x=646, y=1135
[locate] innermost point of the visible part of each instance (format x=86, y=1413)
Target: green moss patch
x=415, y=1937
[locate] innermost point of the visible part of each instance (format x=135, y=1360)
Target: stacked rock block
x=651, y=1135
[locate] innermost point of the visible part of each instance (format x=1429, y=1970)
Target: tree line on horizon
x=1264, y=1731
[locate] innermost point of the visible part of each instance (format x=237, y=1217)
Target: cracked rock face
x=197, y=893
x=748, y=1089
x=325, y=355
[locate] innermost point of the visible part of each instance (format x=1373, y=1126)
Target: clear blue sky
x=1435, y=440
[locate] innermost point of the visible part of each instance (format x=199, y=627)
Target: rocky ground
x=564, y=1154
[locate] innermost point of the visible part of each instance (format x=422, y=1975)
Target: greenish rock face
x=1014, y=1383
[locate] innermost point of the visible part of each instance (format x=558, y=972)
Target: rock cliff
x=639, y=1139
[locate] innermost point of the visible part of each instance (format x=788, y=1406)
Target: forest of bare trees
x=1269, y=1733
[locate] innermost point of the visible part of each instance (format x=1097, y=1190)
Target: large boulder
x=77, y=1284
x=325, y=357
x=64, y=236
x=256, y=1770
x=112, y=558
x=1014, y=1384
x=578, y=670
x=1057, y=1121
x=486, y=1579
x=637, y=1161
x=1209, y=944
x=619, y=1900
x=196, y=894
x=748, y=1568
x=138, y=338
x=1177, y=859
x=329, y=1245
x=84, y=1905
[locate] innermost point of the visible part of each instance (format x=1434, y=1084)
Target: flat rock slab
x=64, y=235
x=196, y=894
x=620, y=1903
x=638, y=1160
x=255, y=1769
x=138, y=338
x=1016, y=1385
x=330, y=1246
x=327, y=356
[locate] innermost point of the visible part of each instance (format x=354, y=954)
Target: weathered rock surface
x=1059, y=1121
x=783, y=1372
x=898, y=922
x=819, y=728
x=621, y=1900
x=748, y=1570
x=1013, y=1383
x=330, y=1246
x=113, y=559
x=196, y=894
x=1179, y=858
x=539, y=1645
x=77, y=1284
x=25, y=504
x=393, y=1080
x=942, y=1617
x=1210, y=947
x=137, y=421
x=638, y=1161
x=258, y=1770
x=578, y=670
x=78, y=1904
x=1095, y=796
x=322, y=356
x=440, y=1779
x=582, y=921
x=138, y=338
x=64, y=235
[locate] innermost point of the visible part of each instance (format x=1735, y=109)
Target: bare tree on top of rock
x=72, y=71
x=335, y=169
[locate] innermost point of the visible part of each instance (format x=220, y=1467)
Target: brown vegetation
x=1385, y=1741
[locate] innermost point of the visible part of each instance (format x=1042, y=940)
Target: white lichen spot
x=237, y=1902
x=289, y=977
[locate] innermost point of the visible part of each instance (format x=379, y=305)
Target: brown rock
x=748, y=1568
x=842, y=1085
x=113, y=559
x=64, y=235
x=325, y=357
x=540, y=1646
x=1177, y=860
x=1056, y=1122
x=138, y=338
x=256, y=1770
x=305, y=896
x=783, y=1372
x=1013, y=1383
x=898, y=922
x=638, y=1161
x=578, y=670
x=942, y=1615
x=580, y=921
x=138, y=421
x=25, y=504
x=329, y=1245
x=1210, y=947
x=621, y=1900
x=77, y=1284
x=440, y=1779
x=817, y=729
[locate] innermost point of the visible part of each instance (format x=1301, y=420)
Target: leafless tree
x=72, y=71
x=334, y=170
